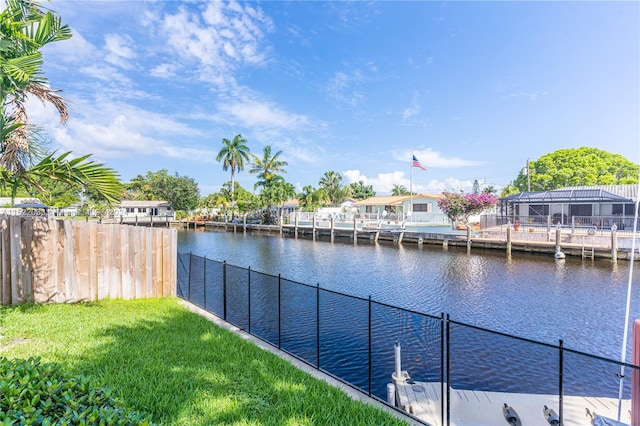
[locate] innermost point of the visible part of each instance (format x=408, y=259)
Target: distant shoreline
x=495, y=240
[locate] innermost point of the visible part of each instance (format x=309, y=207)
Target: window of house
x=620, y=209
x=142, y=209
x=538, y=210
x=423, y=207
x=130, y=210
x=580, y=210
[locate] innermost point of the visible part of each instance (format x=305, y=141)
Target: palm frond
x=103, y=180
x=46, y=94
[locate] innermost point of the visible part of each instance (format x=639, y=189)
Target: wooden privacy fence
x=48, y=260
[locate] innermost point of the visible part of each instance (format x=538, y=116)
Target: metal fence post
x=370, y=367
x=224, y=290
x=204, y=284
x=561, y=378
x=279, y=319
x=448, y=332
x=442, y=320
x=318, y=324
x=189, y=280
x=248, y=294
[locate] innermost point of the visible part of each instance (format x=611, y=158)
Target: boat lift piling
x=559, y=254
x=398, y=375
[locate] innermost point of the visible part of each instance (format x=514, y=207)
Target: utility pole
x=528, y=177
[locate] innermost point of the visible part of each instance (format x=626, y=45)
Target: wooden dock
x=539, y=243
x=479, y=408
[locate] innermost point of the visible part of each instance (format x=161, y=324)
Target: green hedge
x=36, y=393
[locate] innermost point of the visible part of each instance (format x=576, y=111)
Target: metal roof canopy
x=568, y=196
x=30, y=206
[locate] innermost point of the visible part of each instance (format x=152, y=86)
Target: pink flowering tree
x=459, y=206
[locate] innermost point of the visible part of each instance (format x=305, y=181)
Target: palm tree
x=268, y=167
x=311, y=198
x=24, y=29
x=233, y=155
x=399, y=190
x=331, y=184
x=277, y=191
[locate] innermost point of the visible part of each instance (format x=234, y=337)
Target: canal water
x=535, y=297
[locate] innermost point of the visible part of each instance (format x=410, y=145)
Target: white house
x=131, y=208
x=291, y=205
x=417, y=208
x=8, y=202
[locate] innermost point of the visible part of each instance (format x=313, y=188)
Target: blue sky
x=472, y=88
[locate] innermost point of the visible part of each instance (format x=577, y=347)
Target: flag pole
x=411, y=188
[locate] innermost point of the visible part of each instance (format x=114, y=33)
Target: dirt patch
x=13, y=342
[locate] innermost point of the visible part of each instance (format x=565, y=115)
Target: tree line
x=272, y=187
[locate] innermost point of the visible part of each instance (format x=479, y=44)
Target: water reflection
x=538, y=297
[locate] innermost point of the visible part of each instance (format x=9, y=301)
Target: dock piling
x=355, y=230
x=614, y=243
x=391, y=394
x=332, y=223
x=313, y=228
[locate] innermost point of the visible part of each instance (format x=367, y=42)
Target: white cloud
x=105, y=73
x=412, y=110
x=383, y=183
x=119, y=50
x=342, y=87
x=531, y=96
x=74, y=50
x=219, y=39
x=253, y=113
x=164, y=71
x=430, y=158
x=114, y=130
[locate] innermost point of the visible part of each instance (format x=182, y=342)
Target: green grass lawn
x=182, y=369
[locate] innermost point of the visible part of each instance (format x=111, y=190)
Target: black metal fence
x=352, y=339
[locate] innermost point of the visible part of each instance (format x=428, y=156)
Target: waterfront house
x=9, y=202
x=397, y=208
x=347, y=205
x=601, y=205
x=290, y=206
x=135, y=208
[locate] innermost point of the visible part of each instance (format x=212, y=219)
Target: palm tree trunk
x=233, y=186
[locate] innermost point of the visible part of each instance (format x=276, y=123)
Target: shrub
x=36, y=393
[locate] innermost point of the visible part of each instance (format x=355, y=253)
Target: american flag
x=416, y=163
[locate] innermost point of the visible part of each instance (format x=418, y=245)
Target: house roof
x=143, y=203
x=291, y=203
x=392, y=200
x=572, y=194
x=30, y=206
